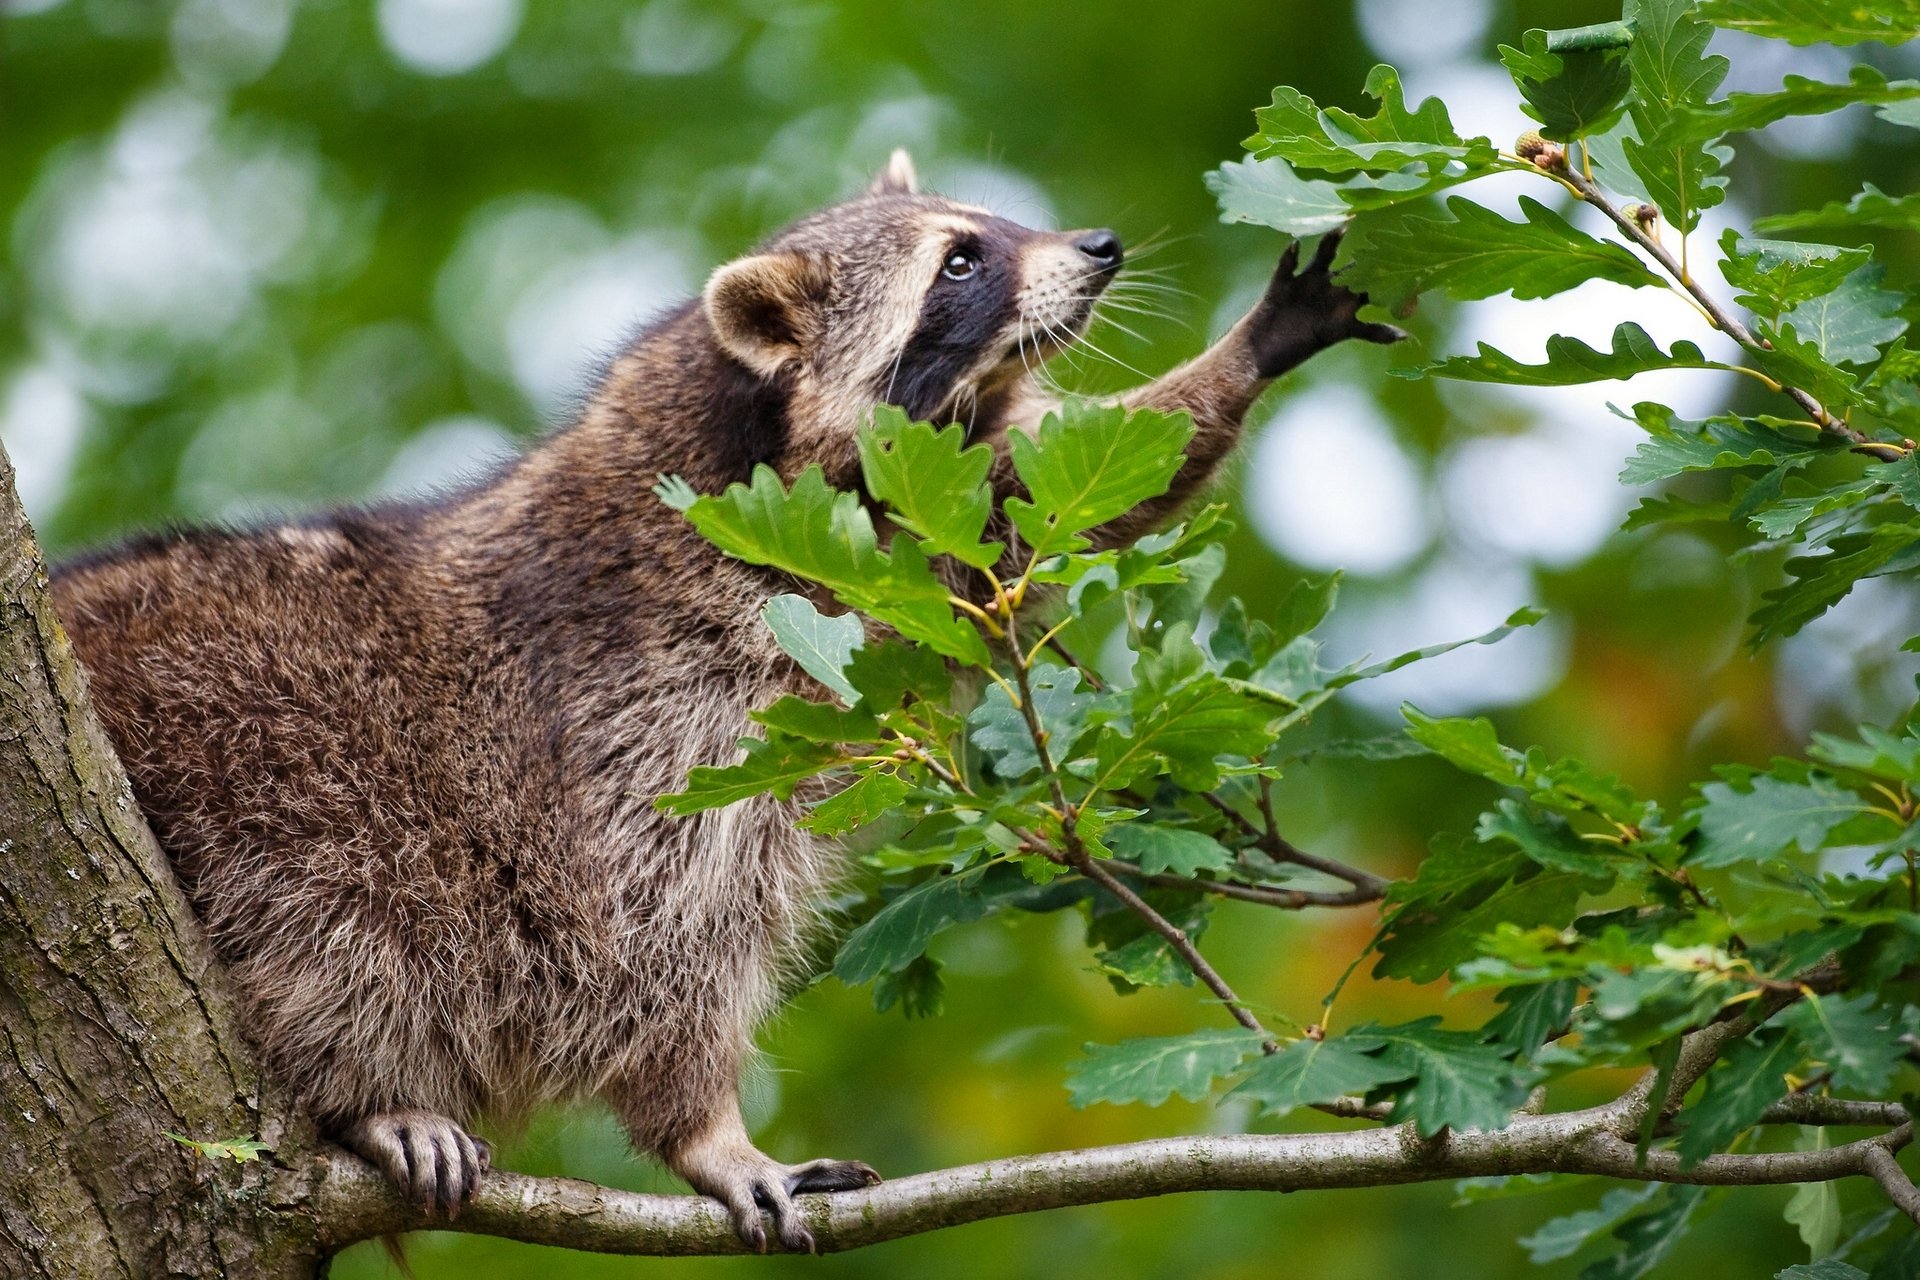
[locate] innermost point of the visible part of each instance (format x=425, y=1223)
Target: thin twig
x=1719, y=316
x=1083, y=862
x=1285, y=899
x=1281, y=849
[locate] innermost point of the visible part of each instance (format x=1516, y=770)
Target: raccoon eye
x=960, y=266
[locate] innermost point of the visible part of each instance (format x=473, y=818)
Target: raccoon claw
x=433, y=1161
x=1307, y=311
x=829, y=1176
x=769, y=1188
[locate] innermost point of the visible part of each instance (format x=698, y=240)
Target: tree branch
x=1812, y=1108
x=1885, y=1170
x=357, y=1203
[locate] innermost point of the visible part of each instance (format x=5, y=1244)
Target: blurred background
x=258, y=256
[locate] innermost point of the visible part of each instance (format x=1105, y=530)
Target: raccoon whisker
x=1147, y=281
x=1146, y=312
x=1112, y=323
x=1155, y=242
x=898, y=356
x=1137, y=284
x=1108, y=356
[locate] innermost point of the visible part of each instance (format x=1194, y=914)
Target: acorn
x=1543, y=154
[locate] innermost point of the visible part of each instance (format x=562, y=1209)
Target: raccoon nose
x=1102, y=246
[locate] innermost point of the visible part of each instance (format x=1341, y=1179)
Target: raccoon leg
x=721, y=1161
x=433, y=1161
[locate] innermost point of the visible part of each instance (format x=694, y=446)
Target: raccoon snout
x=1102, y=247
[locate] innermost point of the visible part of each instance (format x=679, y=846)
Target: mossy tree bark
x=116, y=1030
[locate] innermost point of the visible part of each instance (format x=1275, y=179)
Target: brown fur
x=405, y=758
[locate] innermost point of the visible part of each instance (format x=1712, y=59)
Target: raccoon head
x=898, y=297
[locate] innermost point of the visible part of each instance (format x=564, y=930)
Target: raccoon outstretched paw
x=433, y=1161
x=1307, y=310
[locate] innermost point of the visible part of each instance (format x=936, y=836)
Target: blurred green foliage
x=262, y=258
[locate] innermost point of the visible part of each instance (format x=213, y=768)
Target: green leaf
x=1306, y=605
x=1570, y=362
x=1814, y=1208
x=1161, y=849
x=1647, y=1239
x=1523, y=617
x=1547, y=840
x=1563, y=1237
x=821, y=645
x=1146, y=959
x=1672, y=153
x=1675, y=446
x=1151, y=1070
x=1572, y=88
x=1749, y=1078
x=870, y=797
x=1454, y=1080
x=1870, y=207
x=1853, y=1036
x=828, y=537
x=1463, y=893
x=918, y=989
x=1478, y=254
x=818, y=721
x=1000, y=729
x=238, y=1150
x=1850, y=324
x=1776, y=275
x=1270, y=194
x=1087, y=465
x=899, y=932
x=1308, y=1072
x=1816, y=583
x=1769, y=818
x=1531, y=1014
x=1670, y=64
x=1882, y=754
x=1793, y=361
x=1799, y=96
x=886, y=675
x=1471, y=745
x=1825, y=1269
x=1818, y=21
x=1182, y=730
x=777, y=765
x=1294, y=129
x=935, y=488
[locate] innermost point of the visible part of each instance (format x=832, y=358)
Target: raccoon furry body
x=404, y=758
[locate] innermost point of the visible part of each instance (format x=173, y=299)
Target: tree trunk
x=117, y=1029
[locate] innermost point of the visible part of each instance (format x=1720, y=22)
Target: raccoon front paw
x=433, y=1161
x=1307, y=311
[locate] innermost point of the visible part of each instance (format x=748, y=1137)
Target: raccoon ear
x=766, y=310
x=898, y=178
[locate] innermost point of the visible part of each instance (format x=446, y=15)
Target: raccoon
x=404, y=757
